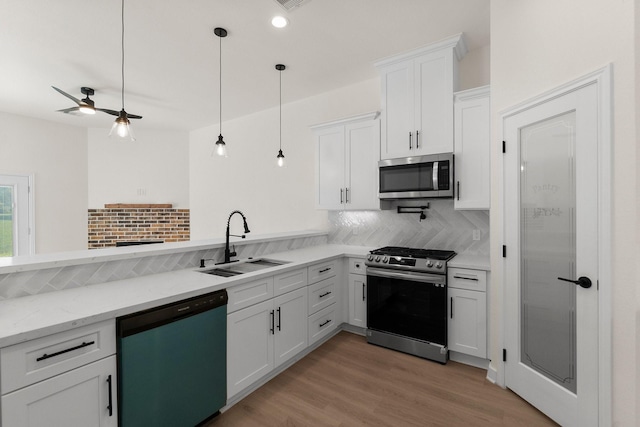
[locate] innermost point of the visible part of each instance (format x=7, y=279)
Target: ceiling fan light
x=87, y=109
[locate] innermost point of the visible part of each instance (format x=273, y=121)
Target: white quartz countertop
x=26, y=318
x=474, y=262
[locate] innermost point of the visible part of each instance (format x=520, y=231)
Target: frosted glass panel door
x=548, y=248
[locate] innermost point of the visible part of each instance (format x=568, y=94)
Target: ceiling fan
x=87, y=105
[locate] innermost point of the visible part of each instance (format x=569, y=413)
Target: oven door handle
x=419, y=277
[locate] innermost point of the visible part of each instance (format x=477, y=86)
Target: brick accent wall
x=110, y=225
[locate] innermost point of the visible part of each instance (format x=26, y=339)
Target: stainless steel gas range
x=407, y=300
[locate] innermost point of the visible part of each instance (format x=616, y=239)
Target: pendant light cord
x=122, y=43
x=280, y=110
x=220, y=74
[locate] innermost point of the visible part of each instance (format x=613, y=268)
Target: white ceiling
x=172, y=55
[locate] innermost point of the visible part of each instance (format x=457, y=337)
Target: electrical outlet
x=476, y=234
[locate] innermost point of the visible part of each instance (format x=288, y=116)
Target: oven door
x=408, y=304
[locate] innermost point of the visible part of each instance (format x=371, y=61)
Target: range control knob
x=377, y=258
x=370, y=258
x=384, y=259
x=429, y=264
x=439, y=265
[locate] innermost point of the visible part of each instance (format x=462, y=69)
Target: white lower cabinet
x=357, y=284
x=263, y=336
x=467, y=329
x=83, y=397
x=66, y=379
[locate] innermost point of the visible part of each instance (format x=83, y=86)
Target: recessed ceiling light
x=279, y=21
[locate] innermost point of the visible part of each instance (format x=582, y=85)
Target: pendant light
x=280, y=156
x=122, y=126
x=221, y=147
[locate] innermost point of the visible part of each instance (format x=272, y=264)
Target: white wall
x=56, y=155
x=273, y=199
x=536, y=46
x=152, y=169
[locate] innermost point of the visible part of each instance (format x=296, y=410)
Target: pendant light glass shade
x=280, y=156
x=221, y=147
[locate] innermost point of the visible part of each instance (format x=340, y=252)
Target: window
x=15, y=216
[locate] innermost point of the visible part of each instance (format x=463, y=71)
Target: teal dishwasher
x=172, y=363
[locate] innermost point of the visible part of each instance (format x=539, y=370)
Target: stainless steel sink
x=248, y=266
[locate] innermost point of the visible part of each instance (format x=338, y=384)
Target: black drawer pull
x=325, y=294
x=475, y=279
x=279, y=319
x=58, y=353
x=273, y=322
x=325, y=323
x=324, y=270
x=110, y=407
x=363, y=292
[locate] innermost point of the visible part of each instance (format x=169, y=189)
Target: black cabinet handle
x=475, y=279
x=273, y=321
x=410, y=140
x=325, y=323
x=341, y=196
x=58, y=353
x=458, y=190
x=452, y=307
x=582, y=281
x=417, y=139
x=325, y=294
x=363, y=292
x=110, y=406
x=279, y=319
x=324, y=270
x=346, y=195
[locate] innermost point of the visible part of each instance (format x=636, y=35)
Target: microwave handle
x=435, y=176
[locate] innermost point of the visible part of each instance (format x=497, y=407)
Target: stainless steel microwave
x=416, y=177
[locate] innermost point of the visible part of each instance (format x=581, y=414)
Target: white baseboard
x=469, y=360
x=492, y=375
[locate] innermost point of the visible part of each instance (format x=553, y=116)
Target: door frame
x=29, y=215
x=602, y=78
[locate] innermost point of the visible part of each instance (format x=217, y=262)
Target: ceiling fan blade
x=133, y=116
x=106, y=110
x=71, y=97
x=69, y=110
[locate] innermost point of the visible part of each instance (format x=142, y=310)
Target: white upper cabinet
x=472, y=150
x=417, y=99
x=347, y=154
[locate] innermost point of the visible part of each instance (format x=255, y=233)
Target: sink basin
x=248, y=266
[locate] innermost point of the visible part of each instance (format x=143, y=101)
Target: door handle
x=110, y=406
x=273, y=321
x=451, y=307
x=279, y=319
x=582, y=281
x=363, y=292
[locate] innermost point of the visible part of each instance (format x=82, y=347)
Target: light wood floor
x=347, y=382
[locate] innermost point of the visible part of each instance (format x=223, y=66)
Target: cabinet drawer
x=322, y=271
x=356, y=266
x=321, y=323
x=290, y=281
x=36, y=360
x=242, y=296
x=322, y=294
x=464, y=278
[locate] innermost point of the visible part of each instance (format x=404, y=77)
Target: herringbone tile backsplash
x=444, y=228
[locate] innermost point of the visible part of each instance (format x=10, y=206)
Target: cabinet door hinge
x=504, y=251
x=504, y=354
x=504, y=147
